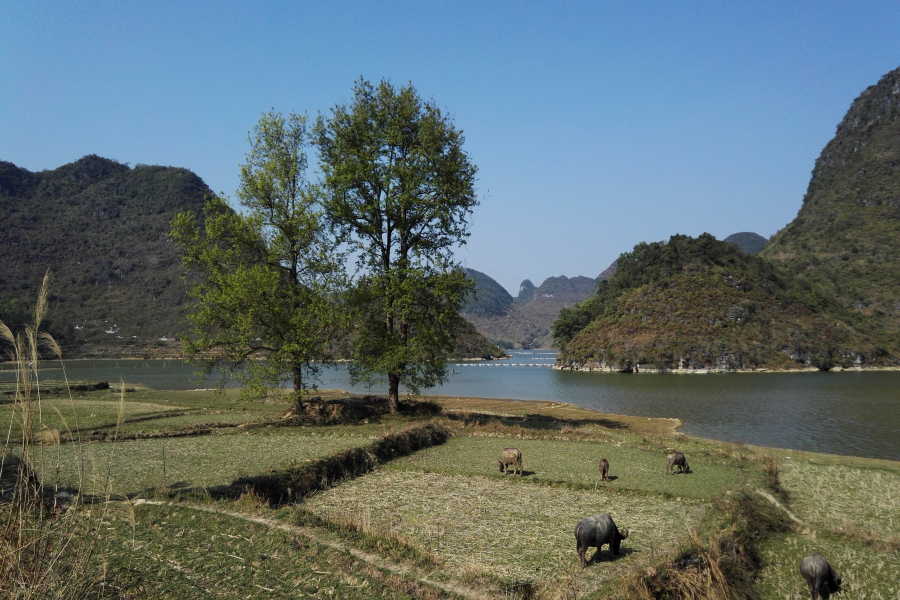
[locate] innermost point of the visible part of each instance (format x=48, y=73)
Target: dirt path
x=452, y=587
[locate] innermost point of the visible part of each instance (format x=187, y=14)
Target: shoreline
x=659, y=426
x=716, y=371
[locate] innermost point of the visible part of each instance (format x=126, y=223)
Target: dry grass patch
x=515, y=532
x=845, y=499
x=868, y=574
x=184, y=463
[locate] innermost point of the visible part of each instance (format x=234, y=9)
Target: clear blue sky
x=594, y=125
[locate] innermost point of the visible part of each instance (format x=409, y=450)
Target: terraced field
x=195, y=462
x=575, y=463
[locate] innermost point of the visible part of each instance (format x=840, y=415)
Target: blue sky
x=594, y=125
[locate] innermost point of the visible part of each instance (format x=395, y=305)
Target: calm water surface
x=839, y=413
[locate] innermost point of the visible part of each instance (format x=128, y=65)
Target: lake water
x=839, y=413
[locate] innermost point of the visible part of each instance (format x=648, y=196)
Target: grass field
x=190, y=462
x=553, y=461
x=173, y=552
x=846, y=499
x=510, y=529
x=500, y=535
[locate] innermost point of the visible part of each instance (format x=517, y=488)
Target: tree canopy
x=266, y=282
x=400, y=190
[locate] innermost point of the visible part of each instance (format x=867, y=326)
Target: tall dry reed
x=48, y=536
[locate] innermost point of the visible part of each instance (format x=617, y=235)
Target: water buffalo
x=819, y=576
x=595, y=531
x=604, y=469
x=511, y=456
x=677, y=459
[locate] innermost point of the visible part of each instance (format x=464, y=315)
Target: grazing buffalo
x=511, y=456
x=595, y=531
x=604, y=469
x=820, y=577
x=677, y=459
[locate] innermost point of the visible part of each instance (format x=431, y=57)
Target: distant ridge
x=751, y=243
x=524, y=321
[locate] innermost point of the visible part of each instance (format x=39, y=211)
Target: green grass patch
x=868, y=574
x=575, y=463
x=515, y=532
x=84, y=414
x=190, y=462
x=184, y=553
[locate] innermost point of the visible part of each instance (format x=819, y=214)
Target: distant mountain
x=845, y=241
x=608, y=271
x=523, y=322
x=101, y=228
x=751, y=243
x=489, y=299
x=699, y=303
x=526, y=292
x=564, y=289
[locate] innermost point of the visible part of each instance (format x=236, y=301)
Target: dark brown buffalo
x=820, y=577
x=604, y=469
x=677, y=459
x=595, y=531
x=511, y=456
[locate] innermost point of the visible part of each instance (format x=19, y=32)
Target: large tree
x=400, y=190
x=265, y=281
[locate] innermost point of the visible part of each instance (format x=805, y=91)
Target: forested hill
x=700, y=303
x=100, y=227
x=489, y=298
x=845, y=241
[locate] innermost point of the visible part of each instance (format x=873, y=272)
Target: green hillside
x=100, y=227
x=845, y=241
x=489, y=298
x=700, y=303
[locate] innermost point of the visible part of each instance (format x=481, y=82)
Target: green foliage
x=655, y=264
x=487, y=298
x=269, y=280
x=400, y=190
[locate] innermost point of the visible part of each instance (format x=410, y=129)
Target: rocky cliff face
x=845, y=241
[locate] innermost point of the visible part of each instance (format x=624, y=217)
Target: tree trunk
x=393, y=392
x=298, y=390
